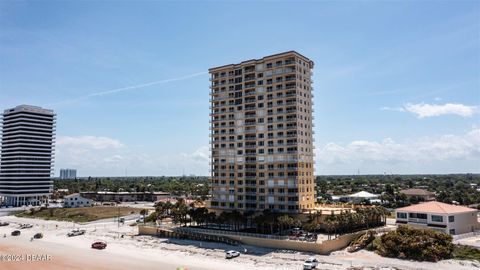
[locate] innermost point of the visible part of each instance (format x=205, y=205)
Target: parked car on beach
x=310, y=263
x=4, y=224
x=76, y=232
x=16, y=233
x=38, y=236
x=99, y=245
x=26, y=226
x=231, y=254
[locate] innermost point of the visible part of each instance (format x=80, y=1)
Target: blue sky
x=397, y=84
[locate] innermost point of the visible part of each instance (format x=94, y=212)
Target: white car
x=76, y=232
x=310, y=263
x=231, y=254
x=26, y=226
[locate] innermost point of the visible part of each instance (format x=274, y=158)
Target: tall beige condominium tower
x=262, y=135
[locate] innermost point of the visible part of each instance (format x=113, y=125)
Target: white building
x=27, y=155
x=359, y=197
x=68, y=174
x=447, y=218
x=75, y=200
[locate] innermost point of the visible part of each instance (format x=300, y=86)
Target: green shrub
x=374, y=244
x=151, y=218
x=466, y=253
x=416, y=244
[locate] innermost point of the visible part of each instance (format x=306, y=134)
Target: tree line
x=268, y=222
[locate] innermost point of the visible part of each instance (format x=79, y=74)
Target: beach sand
x=146, y=252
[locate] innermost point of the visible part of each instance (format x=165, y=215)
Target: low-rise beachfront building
x=419, y=194
x=359, y=197
x=76, y=200
x=447, y=218
x=123, y=196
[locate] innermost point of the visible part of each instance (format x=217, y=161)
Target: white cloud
x=396, y=109
x=202, y=154
x=103, y=156
x=88, y=142
x=387, y=151
x=423, y=110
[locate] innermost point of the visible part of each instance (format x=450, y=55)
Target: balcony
x=249, y=69
x=417, y=220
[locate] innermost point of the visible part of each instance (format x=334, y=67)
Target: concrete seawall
x=323, y=248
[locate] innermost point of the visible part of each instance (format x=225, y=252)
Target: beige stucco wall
x=464, y=223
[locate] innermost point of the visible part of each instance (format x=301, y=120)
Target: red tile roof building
x=439, y=216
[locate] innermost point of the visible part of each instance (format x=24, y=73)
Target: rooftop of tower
x=263, y=59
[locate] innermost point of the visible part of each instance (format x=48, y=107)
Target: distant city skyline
x=396, y=84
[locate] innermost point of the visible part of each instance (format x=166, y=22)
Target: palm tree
x=224, y=218
x=259, y=222
x=331, y=223
x=297, y=222
x=248, y=215
x=210, y=217
x=143, y=212
x=202, y=215
x=160, y=211
x=179, y=213
x=236, y=218
x=283, y=221
x=310, y=226
x=270, y=220
x=383, y=213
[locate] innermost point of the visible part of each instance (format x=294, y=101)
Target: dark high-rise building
x=27, y=151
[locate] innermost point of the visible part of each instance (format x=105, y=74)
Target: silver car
x=231, y=254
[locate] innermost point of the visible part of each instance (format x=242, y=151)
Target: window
x=451, y=218
x=401, y=215
x=437, y=218
x=417, y=215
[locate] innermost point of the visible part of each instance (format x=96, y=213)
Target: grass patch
x=84, y=214
x=466, y=253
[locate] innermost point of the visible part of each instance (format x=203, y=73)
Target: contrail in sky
x=129, y=88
